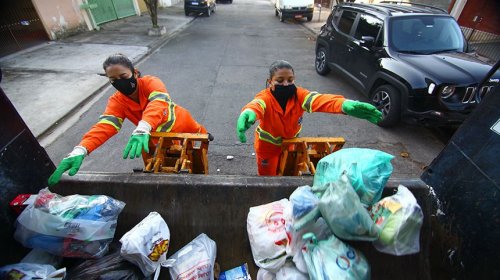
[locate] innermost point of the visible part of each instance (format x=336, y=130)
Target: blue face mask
x=125, y=86
x=283, y=93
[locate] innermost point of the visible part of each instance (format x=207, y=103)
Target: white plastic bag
x=400, y=218
x=263, y=274
x=304, y=207
x=194, y=261
x=146, y=244
x=290, y=272
x=79, y=226
x=332, y=259
x=267, y=234
x=345, y=215
x=28, y=271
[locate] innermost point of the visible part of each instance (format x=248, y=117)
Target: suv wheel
x=320, y=62
x=387, y=99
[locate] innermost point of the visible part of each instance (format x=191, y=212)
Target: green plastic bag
x=368, y=171
x=345, y=215
x=333, y=259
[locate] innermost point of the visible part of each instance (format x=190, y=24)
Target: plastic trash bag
x=332, y=259
x=194, y=261
x=345, y=215
x=39, y=256
x=238, y=273
x=400, y=218
x=368, y=171
x=267, y=234
x=73, y=226
x=290, y=272
x=304, y=207
x=263, y=274
x=28, y=271
x=146, y=244
x=110, y=267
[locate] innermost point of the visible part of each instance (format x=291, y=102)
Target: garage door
x=109, y=10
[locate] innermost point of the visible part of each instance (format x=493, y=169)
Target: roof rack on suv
x=370, y=7
x=414, y=4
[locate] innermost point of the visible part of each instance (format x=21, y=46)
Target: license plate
x=194, y=3
x=298, y=16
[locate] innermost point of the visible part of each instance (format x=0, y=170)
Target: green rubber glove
x=71, y=162
x=138, y=141
x=362, y=110
x=245, y=121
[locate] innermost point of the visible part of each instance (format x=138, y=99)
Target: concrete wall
x=61, y=18
x=167, y=3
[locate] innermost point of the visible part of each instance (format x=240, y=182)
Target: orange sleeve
x=159, y=101
x=258, y=105
x=312, y=101
x=110, y=122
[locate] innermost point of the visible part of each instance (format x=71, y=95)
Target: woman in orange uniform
x=279, y=109
x=144, y=101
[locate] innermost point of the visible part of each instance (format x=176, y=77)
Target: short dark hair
x=118, y=58
x=279, y=64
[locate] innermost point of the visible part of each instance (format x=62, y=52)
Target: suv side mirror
x=367, y=41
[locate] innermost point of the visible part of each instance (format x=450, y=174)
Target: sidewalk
x=319, y=19
x=49, y=82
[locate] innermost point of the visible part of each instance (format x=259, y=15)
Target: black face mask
x=283, y=93
x=126, y=86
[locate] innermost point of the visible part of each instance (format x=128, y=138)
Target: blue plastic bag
x=333, y=259
x=368, y=171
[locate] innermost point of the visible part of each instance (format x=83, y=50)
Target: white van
x=294, y=9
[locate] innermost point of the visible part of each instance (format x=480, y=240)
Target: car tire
x=321, y=61
x=388, y=100
x=309, y=18
x=282, y=19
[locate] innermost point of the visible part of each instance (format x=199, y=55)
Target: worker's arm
x=337, y=104
x=251, y=112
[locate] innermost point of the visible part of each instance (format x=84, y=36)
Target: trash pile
x=303, y=237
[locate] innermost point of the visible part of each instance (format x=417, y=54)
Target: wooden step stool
x=179, y=153
x=299, y=156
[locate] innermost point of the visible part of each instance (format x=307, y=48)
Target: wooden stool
x=178, y=153
x=299, y=156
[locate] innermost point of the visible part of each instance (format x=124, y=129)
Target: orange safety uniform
x=155, y=107
x=274, y=125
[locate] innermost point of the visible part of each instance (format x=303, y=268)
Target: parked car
x=296, y=9
x=411, y=60
x=199, y=6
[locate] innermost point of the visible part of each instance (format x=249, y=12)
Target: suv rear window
x=367, y=26
x=346, y=21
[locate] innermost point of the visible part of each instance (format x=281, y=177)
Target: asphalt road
x=217, y=64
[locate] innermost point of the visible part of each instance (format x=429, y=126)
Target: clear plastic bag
x=304, y=207
x=39, y=256
x=28, y=271
x=146, y=244
x=267, y=234
x=194, y=261
x=290, y=272
x=368, y=171
x=110, y=267
x=72, y=226
x=344, y=213
x=332, y=259
x=400, y=218
x=263, y=274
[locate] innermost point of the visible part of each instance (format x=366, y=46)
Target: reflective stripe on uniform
x=298, y=132
x=116, y=122
x=261, y=103
x=268, y=137
x=161, y=96
x=308, y=101
x=169, y=124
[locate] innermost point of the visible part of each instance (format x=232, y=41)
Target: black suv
x=411, y=60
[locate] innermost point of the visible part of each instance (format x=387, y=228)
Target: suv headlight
x=447, y=91
x=310, y=6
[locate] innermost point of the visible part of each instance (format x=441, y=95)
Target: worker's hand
x=245, y=121
x=138, y=141
x=362, y=110
x=71, y=162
